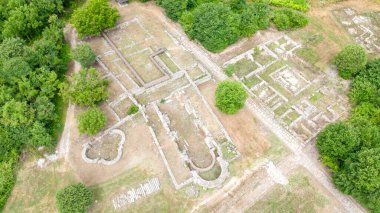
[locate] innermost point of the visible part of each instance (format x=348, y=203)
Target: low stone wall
x=88, y=146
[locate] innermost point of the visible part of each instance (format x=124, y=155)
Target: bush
x=92, y=121
x=215, y=26
x=350, y=60
x=74, y=198
x=254, y=17
x=230, y=96
x=132, y=110
x=93, y=17
x=84, y=55
x=286, y=19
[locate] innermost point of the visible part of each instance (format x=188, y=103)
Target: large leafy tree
x=84, y=55
x=215, y=26
x=174, y=8
x=351, y=149
x=74, y=198
x=254, y=17
x=93, y=17
x=230, y=97
x=92, y=121
x=23, y=22
x=351, y=60
x=87, y=88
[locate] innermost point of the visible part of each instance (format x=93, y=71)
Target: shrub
x=350, y=60
x=92, y=121
x=74, y=198
x=230, y=96
x=254, y=17
x=132, y=110
x=215, y=26
x=84, y=55
x=286, y=19
x=93, y=17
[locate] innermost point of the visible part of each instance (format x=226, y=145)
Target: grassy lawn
x=168, y=62
x=308, y=54
x=315, y=97
x=35, y=188
x=298, y=196
x=251, y=81
x=167, y=199
x=243, y=67
x=212, y=174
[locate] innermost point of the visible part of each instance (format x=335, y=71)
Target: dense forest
x=33, y=61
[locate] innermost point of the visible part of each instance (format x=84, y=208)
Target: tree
x=337, y=141
x=254, y=17
x=45, y=109
x=351, y=60
x=23, y=21
x=286, y=19
x=215, y=26
x=91, y=121
x=14, y=69
x=12, y=47
x=39, y=136
x=15, y=113
x=84, y=55
x=74, y=198
x=87, y=88
x=174, y=8
x=93, y=17
x=230, y=96
x=361, y=174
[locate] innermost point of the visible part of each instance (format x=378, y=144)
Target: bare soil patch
x=245, y=132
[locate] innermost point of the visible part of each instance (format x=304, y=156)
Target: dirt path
x=64, y=142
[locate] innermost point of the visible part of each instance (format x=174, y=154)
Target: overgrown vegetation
x=33, y=61
x=230, y=96
x=74, y=198
x=351, y=149
x=219, y=23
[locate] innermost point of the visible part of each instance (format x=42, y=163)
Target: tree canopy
x=215, y=26
x=91, y=121
x=351, y=149
x=351, y=60
x=74, y=198
x=93, y=17
x=230, y=96
x=84, y=55
x=86, y=88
